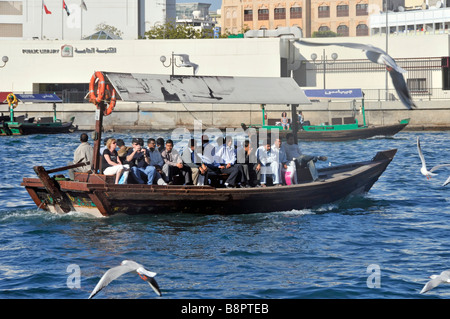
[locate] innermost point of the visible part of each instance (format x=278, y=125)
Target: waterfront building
x=76, y=19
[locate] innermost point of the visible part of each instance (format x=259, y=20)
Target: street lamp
x=184, y=59
x=4, y=60
x=324, y=61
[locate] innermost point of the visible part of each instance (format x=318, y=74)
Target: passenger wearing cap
x=139, y=161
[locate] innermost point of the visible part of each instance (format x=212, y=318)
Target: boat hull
x=334, y=133
x=8, y=128
x=103, y=199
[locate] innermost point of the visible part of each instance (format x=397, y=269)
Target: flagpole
x=42, y=20
x=62, y=21
x=81, y=26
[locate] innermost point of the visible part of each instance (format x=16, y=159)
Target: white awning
x=135, y=87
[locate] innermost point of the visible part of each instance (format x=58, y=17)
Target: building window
x=417, y=85
x=11, y=30
x=324, y=28
x=295, y=12
x=279, y=13
x=263, y=14
x=324, y=11
x=342, y=11
x=362, y=9
x=445, y=63
x=248, y=15
x=362, y=30
x=11, y=8
x=342, y=30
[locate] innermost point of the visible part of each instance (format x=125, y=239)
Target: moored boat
x=25, y=126
x=340, y=129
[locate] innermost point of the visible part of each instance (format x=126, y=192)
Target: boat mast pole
x=294, y=124
x=98, y=136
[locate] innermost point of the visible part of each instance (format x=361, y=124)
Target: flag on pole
x=65, y=8
x=47, y=11
x=83, y=5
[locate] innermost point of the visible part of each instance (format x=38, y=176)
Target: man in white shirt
x=225, y=160
x=270, y=164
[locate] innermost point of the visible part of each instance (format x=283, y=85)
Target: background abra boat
x=21, y=125
x=340, y=129
x=97, y=194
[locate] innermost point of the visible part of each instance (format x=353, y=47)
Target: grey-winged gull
x=378, y=56
x=423, y=169
x=125, y=267
x=436, y=280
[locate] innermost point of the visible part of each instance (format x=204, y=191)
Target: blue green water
x=401, y=227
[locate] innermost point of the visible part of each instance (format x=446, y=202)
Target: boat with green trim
x=340, y=129
x=21, y=125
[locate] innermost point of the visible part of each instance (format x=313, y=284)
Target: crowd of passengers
x=159, y=163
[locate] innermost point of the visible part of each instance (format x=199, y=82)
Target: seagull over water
x=125, y=267
x=424, y=170
x=379, y=56
x=436, y=280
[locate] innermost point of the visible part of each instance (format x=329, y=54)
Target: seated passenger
x=111, y=163
x=225, y=160
x=191, y=159
x=269, y=164
x=139, y=160
x=293, y=153
x=156, y=161
x=173, y=164
x=250, y=165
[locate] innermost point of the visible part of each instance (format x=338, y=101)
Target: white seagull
x=379, y=56
x=436, y=280
x=447, y=181
x=423, y=169
x=125, y=267
x=187, y=63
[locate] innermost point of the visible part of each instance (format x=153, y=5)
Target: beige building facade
x=345, y=17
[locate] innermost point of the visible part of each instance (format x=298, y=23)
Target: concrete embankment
x=430, y=115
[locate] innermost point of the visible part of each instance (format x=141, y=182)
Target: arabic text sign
x=334, y=94
x=38, y=98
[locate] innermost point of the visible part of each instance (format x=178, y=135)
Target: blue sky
x=215, y=4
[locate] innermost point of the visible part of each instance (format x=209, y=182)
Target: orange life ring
x=112, y=100
x=96, y=99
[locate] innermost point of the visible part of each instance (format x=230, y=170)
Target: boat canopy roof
x=334, y=94
x=136, y=87
x=39, y=98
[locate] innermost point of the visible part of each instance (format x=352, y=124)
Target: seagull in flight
x=125, y=267
x=447, y=181
x=379, y=56
x=436, y=280
x=187, y=63
x=423, y=169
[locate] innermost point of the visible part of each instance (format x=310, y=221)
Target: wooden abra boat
x=340, y=129
x=23, y=126
x=97, y=194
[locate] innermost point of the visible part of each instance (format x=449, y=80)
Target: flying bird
x=185, y=62
x=447, y=181
x=423, y=169
x=379, y=56
x=436, y=280
x=125, y=267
